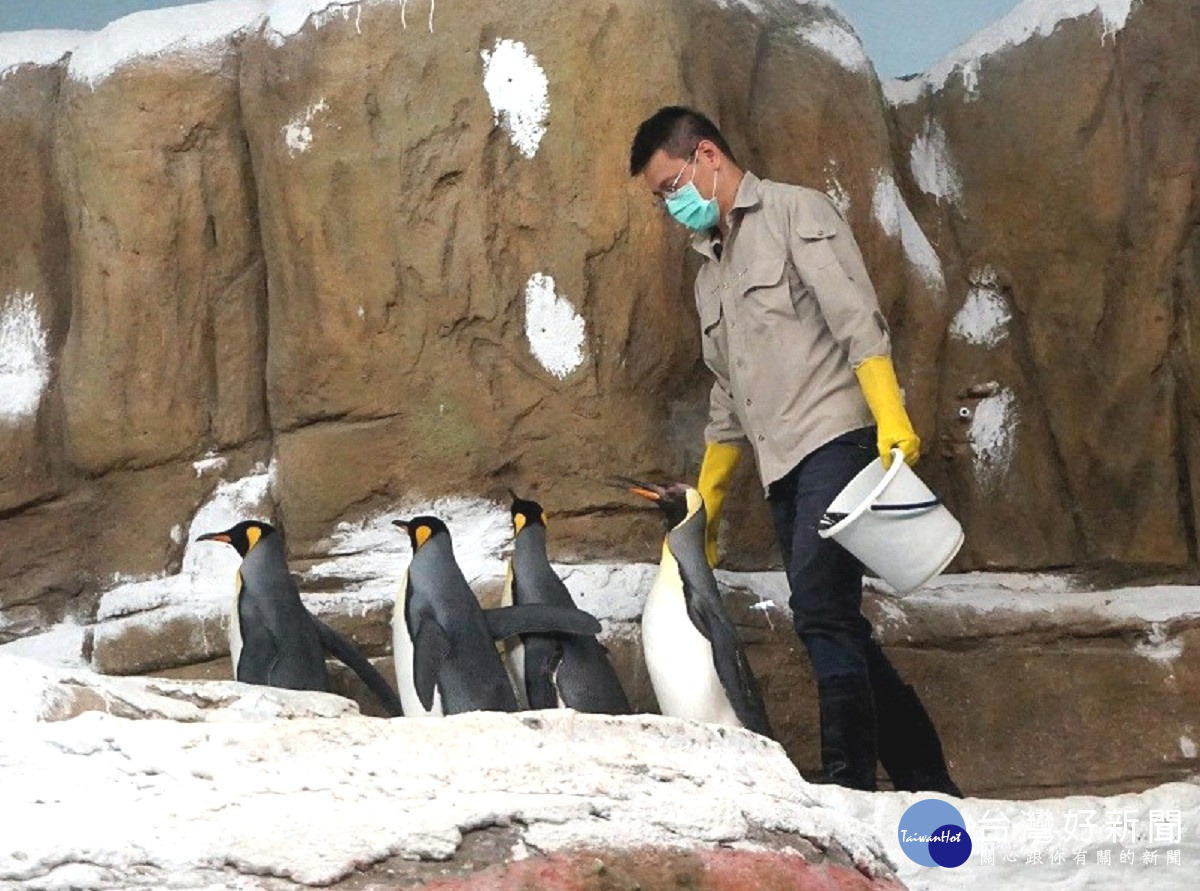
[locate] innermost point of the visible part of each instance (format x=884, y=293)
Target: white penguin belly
x=514, y=655
x=235, y=626
x=678, y=657
x=402, y=656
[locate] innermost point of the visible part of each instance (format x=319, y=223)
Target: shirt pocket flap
x=810, y=230
x=763, y=273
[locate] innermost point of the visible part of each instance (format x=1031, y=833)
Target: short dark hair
x=677, y=130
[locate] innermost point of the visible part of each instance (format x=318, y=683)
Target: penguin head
x=421, y=529
x=244, y=536
x=526, y=513
x=678, y=501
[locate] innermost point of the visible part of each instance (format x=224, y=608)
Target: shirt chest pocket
x=768, y=287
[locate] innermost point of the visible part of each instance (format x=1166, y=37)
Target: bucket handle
x=914, y=506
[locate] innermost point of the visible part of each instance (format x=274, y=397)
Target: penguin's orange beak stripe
x=216, y=536
x=645, y=493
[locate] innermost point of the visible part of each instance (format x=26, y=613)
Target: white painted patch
x=934, y=172
x=211, y=461
x=1187, y=746
x=835, y=190
x=24, y=360
x=554, y=329
x=994, y=437
x=838, y=41
x=984, y=317
x=890, y=209
x=297, y=134
x=519, y=92
x=19, y=48
x=1029, y=19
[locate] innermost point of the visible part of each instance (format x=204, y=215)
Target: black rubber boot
x=848, y=741
x=909, y=748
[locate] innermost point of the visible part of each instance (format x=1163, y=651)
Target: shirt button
x=761, y=437
x=748, y=402
x=741, y=364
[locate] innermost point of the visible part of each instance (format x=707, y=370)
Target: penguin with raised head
x=443, y=641
x=273, y=639
x=554, y=669
x=696, y=662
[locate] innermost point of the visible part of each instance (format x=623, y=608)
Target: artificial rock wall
x=399, y=260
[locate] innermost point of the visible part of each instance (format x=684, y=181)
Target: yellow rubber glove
x=716, y=470
x=877, y=377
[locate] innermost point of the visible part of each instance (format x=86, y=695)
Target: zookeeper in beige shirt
x=801, y=355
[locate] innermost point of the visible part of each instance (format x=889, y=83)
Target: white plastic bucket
x=890, y=521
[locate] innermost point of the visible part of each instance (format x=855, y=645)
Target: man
x=792, y=330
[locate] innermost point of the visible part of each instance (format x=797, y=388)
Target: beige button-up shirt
x=786, y=314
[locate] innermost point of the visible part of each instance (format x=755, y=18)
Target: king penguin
x=273, y=639
x=443, y=641
x=697, y=665
x=554, y=670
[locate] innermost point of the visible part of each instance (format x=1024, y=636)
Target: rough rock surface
x=378, y=803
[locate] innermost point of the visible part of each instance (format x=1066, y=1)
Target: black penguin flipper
x=542, y=658
x=736, y=676
x=349, y=655
x=539, y=618
x=431, y=647
x=260, y=648
x=585, y=679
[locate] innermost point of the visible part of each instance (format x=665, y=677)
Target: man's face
x=664, y=174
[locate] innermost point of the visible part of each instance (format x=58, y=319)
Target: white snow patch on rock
x=210, y=462
x=1159, y=646
x=554, y=330
x=519, y=92
x=24, y=360
x=297, y=133
x=892, y=212
x=1187, y=746
x=19, y=48
x=208, y=567
x=1029, y=19
x=199, y=31
x=838, y=41
x=994, y=436
x=984, y=317
x=932, y=168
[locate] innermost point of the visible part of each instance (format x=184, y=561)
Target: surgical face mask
x=690, y=208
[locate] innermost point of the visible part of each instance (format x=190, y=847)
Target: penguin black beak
x=402, y=525
x=215, y=536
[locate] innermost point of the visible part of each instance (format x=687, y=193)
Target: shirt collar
x=747, y=197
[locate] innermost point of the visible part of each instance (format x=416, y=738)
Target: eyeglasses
x=670, y=191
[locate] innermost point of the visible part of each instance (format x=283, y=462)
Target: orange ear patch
x=422, y=535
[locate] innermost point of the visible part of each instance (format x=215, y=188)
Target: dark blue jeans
x=825, y=578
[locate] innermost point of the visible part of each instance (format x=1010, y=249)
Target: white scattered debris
x=984, y=317
x=20, y=48
x=1159, y=646
x=1029, y=19
x=210, y=462
x=836, y=39
x=519, y=92
x=932, y=169
x=1187, y=746
x=994, y=437
x=890, y=209
x=297, y=133
x=24, y=359
x=554, y=330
